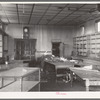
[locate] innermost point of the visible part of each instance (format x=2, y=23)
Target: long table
x=60, y=64
x=19, y=79
x=50, y=68
x=86, y=76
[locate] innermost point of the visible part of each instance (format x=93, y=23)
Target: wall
x=90, y=28
x=44, y=36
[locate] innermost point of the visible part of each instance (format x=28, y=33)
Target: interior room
x=49, y=47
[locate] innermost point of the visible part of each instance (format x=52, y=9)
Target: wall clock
x=26, y=32
x=26, y=29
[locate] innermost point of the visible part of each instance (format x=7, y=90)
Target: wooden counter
x=87, y=77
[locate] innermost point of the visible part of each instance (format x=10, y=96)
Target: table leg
x=39, y=76
x=21, y=85
x=87, y=84
x=71, y=77
x=2, y=81
x=39, y=79
x=39, y=87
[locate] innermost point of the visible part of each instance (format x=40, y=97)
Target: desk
x=19, y=79
x=87, y=77
x=61, y=64
x=51, y=67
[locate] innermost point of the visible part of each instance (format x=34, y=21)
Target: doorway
x=56, y=49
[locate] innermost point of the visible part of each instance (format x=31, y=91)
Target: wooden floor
x=57, y=86
x=51, y=86
x=60, y=86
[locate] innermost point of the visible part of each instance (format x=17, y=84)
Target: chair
x=63, y=75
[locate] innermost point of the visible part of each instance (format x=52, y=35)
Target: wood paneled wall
x=44, y=35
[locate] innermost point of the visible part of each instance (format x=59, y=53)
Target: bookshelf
x=87, y=45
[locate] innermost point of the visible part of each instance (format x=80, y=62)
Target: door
x=55, y=48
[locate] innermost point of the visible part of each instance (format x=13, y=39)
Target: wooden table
x=87, y=77
x=51, y=67
x=60, y=64
x=16, y=79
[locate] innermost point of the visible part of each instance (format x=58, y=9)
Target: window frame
x=96, y=26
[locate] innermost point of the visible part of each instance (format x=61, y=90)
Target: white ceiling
x=47, y=14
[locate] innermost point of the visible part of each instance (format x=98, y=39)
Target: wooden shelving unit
x=80, y=45
x=25, y=48
x=87, y=45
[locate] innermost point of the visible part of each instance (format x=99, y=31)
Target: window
x=82, y=30
x=98, y=26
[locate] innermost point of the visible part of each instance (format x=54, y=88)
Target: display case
x=19, y=79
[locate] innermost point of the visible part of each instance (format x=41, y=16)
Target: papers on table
x=88, y=67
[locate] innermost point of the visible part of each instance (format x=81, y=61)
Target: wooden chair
x=63, y=75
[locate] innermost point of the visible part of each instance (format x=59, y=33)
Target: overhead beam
x=57, y=13
x=44, y=14
x=87, y=12
x=31, y=13
x=17, y=13
x=71, y=13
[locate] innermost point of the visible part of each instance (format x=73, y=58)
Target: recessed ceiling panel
x=36, y=7
x=34, y=21
x=57, y=14
x=90, y=6
x=75, y=5
x=43, y=21
x=58, y=5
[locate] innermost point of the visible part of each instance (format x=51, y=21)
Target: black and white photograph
x=50, y=47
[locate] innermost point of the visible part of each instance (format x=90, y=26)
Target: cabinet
x=80, y=45
x=25, y=48
x=3, y=44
